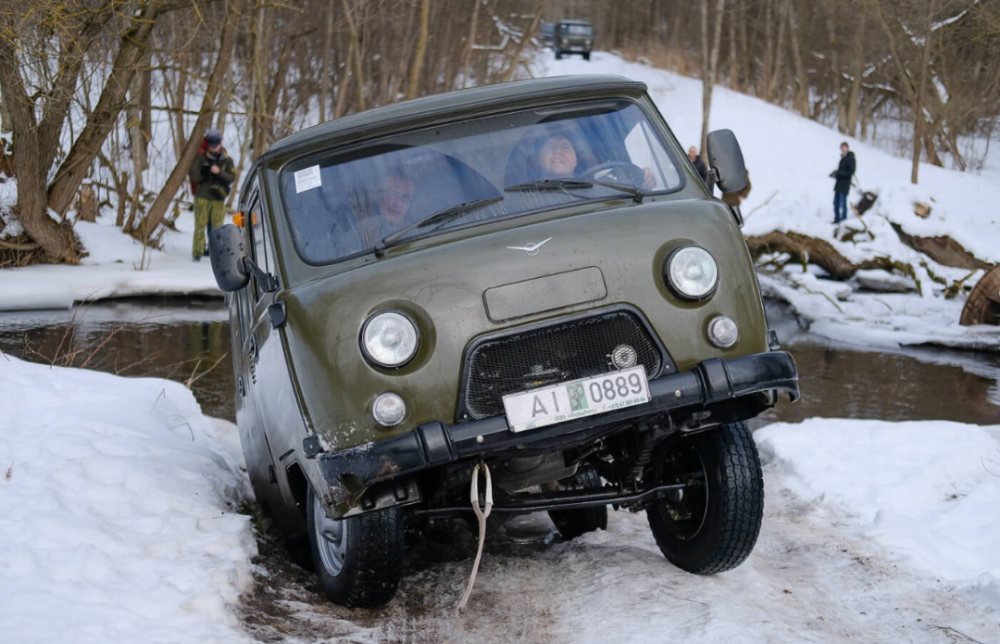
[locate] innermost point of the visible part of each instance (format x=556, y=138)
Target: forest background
x=103, y=103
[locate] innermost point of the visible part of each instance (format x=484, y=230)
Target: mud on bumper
x=709, y=384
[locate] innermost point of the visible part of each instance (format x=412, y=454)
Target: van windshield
x=344, y=202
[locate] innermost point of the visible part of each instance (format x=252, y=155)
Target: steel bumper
x=435, y=443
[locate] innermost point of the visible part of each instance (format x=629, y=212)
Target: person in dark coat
x=699, y=165
x=843, y=174
x=213, y=174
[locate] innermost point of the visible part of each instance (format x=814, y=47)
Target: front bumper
x=714, y=381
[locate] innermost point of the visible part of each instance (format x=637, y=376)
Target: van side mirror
x=227, y=254
x=725, y=161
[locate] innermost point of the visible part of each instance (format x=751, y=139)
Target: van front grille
x=566, y=351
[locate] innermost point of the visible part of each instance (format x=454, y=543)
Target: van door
x=259, y=462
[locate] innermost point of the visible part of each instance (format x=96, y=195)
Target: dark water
x=188, y=341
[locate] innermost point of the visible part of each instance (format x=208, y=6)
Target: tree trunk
x=768, y=64
x=470, y=44
x=359, y=77
x=734, y=70
x=515, y=60
x=58, y=243
x=417, y=64
x=179, y=174
x=327, y=68
x=801, y=100
x=779, y=54
x=745, y=69
x=132, y=47
x=857, y=72
x=710, y=63
x=834, y=44
x=919, y=121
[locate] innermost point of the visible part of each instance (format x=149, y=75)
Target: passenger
x=393, y=201
x=380, y=212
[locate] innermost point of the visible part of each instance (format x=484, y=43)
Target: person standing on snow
x=843, y=174
x=699, y=165
x=213, y=174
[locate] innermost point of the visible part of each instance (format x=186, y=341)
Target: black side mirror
x=226, y=250
x=725, y=161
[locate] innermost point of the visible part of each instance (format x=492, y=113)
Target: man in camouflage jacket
x=213, y=175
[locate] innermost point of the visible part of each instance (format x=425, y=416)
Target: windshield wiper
x=637, y=192
x=550, y=184
x=576, y=184
x=439, y=216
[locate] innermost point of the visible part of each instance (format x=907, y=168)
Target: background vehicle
x=573, y=37
x=590, y=340
x=545, y=32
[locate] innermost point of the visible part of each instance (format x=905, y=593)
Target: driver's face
x=557, y=157
x=395, y=198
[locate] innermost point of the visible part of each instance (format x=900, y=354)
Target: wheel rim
x=685, y=513
x=331, y=539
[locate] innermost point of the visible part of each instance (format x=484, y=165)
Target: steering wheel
x=615, y=172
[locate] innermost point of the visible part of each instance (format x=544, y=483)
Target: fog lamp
x=388, y=409
x=624, y=357
x=723, y=332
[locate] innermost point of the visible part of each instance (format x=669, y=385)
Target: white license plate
x=575, y=399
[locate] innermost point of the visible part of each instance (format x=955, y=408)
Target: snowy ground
x=119, y=500
x=119, y=522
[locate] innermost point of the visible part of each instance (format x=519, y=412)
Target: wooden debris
x=983, y=304
x=943, y=250
x=805, y=249
x=922, y=210
x=87, y=206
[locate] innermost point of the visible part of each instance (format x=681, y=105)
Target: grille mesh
x=575, y=349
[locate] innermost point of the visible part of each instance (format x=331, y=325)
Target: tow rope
x=481, y=514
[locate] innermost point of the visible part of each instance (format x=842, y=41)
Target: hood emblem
x=530, y=249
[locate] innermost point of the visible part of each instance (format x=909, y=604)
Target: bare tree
x=709, y=63
x=179, y=174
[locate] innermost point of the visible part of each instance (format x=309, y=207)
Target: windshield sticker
x=307, y=179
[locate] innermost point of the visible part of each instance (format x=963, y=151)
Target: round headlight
x=692, y=272
x=389, y=339
x=388, y=409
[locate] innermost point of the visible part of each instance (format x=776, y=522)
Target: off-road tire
x=714, y=526
x=558, y=55
x=371, y=546
x=573, y=523
x=586, y=56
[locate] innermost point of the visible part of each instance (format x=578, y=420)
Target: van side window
x=260, y=242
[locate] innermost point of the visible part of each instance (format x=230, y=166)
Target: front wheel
x=711, y=525
x=359, y=560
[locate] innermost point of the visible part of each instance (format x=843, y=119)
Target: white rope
x=481, y=514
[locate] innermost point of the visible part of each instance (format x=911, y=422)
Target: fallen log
x=943, y=250
x=983, y=304
x=810, y=250
x=804, y=249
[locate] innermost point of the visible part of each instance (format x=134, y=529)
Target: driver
x=557, y=158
